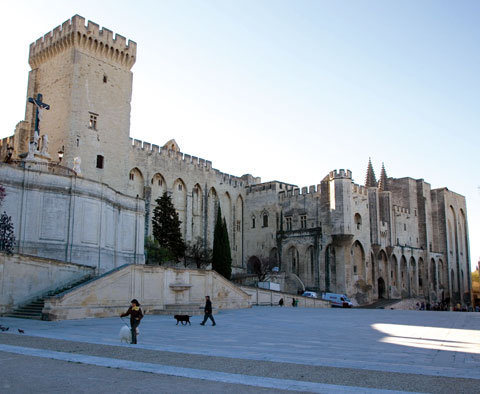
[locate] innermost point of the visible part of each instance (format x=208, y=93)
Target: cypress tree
x=221, y=256
x=166, y=227
x=227, y=252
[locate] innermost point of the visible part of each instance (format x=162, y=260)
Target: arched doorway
x=381, y=288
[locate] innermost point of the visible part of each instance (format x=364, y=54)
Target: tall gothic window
x=265, y=219
x=289, y=223
x=303, y=221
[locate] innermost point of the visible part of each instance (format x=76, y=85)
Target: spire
x=370, y=180
x=382, y=183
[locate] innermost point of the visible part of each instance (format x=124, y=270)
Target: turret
x=370, y=180
x=382, y=183
x=90, y=38
x=340, y=198
x=83, y=73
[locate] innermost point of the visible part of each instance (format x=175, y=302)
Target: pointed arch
x=212, y=204
x=179, y=199
x=413, y=277
x=136, y=182
x=403, y=273
x=433, y=274
x=394, y=272
x=311, y=277
x=383, y=274
x=226, y=205
x=197, y=212
x=422, y=278
x=158, y=185
x=237, y=244
x=358, y=260
x=293, y=259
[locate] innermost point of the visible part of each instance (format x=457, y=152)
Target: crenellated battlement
x=359, y=189
x=295, y=192
x=340, y=174
x=5, y=143
x=74, y=33
x=272, y=186
x=185, y=158
x=399, y=210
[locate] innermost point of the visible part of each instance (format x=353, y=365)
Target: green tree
x=7, y=236
x=199, y=253
x=166, y=228
x=155, y=254
x=221, y=255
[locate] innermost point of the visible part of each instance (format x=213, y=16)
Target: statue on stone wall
x=76, y=165
x=44, y=151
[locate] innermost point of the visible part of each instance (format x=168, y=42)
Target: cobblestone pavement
x=261, y=350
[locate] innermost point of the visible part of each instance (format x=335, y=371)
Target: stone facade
x=391, y=239
x=73, y=219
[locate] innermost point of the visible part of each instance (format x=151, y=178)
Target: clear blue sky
x=290, y=90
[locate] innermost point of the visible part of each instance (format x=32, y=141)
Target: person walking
x=136, y=315
x=208, y=312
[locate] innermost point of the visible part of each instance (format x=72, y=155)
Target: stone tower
x=84, y=75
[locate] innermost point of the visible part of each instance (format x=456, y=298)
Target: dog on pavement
x=184, y=319
x=126, y=334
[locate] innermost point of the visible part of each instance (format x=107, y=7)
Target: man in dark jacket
x=208, y=312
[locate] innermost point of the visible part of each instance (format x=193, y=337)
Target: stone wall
x=270, y=297
x=25, y=278
x=73, y=219
x=158, y=289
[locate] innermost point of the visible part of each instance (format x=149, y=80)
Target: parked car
x=310, y=294
x=338, y=300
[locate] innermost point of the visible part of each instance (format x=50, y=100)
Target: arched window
x=253, y=221
x=358, y=221
x=265, y=219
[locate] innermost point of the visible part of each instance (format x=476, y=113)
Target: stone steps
x=33, y=310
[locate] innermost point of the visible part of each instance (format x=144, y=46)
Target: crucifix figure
x=40, y=107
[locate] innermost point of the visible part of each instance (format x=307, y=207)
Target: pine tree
x=166, y=227
x=221, y=256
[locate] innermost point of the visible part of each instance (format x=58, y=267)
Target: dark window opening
x=303, y=221
x=100, y=161
x=265, y=220
x=289, y=223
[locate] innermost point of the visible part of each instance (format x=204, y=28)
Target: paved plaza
x=257, y=350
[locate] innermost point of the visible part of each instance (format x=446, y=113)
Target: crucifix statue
x=40, y=107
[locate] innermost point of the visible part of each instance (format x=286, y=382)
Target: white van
x=310, y=294
x=338, y=300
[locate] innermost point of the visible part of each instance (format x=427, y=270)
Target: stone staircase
x=33, y=310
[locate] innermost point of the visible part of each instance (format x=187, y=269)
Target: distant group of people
x=444, y=306
x=294, y=302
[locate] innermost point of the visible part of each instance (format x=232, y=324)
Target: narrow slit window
x=99, y=161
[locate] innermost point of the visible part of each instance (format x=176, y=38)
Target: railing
x=50, y=167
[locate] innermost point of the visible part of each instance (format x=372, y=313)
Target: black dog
x=184, y=319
